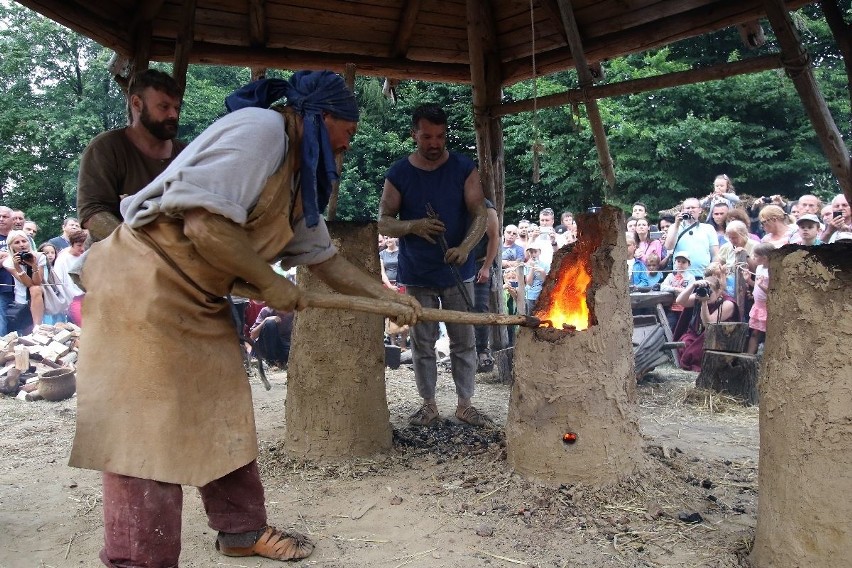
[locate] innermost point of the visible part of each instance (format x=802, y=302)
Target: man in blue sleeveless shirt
x=449, y=183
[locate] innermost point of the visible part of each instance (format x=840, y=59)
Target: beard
x=163, y=129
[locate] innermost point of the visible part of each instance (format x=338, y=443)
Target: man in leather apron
x=163, y=399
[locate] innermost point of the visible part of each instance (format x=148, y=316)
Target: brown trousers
x=142, y=517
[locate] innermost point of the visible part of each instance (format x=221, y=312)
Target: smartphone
x=654, y=235
x=513, y=284
x=837, y=213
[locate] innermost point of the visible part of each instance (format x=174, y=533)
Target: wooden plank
x=667, y=331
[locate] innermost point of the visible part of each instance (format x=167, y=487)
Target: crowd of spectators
x=34, y=276
x=703, y=249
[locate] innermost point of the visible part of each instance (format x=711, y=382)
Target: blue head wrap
x=310, y=93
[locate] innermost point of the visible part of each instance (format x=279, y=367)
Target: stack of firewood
x=25, y=357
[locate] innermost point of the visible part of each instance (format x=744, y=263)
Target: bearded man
x=163, y=398
x=120, y=162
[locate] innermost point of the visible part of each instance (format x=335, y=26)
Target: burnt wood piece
x=503, y=365
x=726, y=336
x=734, y=374
x=649, y=353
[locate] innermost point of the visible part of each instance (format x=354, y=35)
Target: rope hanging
x=537, y=146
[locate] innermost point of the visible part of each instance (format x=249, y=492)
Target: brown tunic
x=162, y=393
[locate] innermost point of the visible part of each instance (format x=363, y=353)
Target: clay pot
x=57, y=384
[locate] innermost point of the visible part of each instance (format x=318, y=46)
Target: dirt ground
x=443, y=498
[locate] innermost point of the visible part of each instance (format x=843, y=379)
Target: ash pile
x=449, y=440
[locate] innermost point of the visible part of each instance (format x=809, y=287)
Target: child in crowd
x=760, y=281
x=652, y=264
x=809, y=229
x=534, y=272
x=675, y=282
x=49, y=251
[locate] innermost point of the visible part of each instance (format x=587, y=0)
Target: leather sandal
x=472, y=416
x=274, y=544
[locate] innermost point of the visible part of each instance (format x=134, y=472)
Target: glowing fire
x=564, y=305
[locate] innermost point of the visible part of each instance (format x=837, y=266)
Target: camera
x=25, y=255
x=766, y=199
x=702, y=290
x=837, y=213
x=686, y=216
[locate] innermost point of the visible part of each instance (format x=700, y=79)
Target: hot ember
x=563, y=303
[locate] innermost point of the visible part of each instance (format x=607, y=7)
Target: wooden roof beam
x=257, y=23
x=140, y=31
x=798, y=66
x=644, y=37
x=402, y=40
x=241, y=56
x=183, y=42
x=258, y=32
x=105, y=32
x=586, y=81
x=634, y=86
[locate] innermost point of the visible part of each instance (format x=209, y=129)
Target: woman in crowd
x=778, y=231
x=713, y=306
x=738, y=241
x=666, y=221
x=28, y=268
x=389, y=258
x=737, y=214
x=644, y=244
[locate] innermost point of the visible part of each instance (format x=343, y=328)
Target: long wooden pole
x=586, y=81
x=799, y=70
x=392, y=309
x=349, y=77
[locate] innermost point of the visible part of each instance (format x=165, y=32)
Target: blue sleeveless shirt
x=421, y=263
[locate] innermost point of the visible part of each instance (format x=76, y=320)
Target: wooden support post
x=842, y=33
x=486, y=77
x=141, y=47
x=798, y=67
x=586, y=81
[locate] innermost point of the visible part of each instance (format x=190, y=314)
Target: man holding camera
x=697, y=239
x=840, y=225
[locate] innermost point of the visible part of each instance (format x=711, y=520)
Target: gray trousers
x=462, y=344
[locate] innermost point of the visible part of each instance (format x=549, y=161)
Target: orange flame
x=565, y=304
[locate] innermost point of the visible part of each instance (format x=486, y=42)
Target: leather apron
x=161, y=389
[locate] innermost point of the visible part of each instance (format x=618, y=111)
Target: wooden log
x=503, y=364
x=22, y=358
x=726, y=336
x=730, y=373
